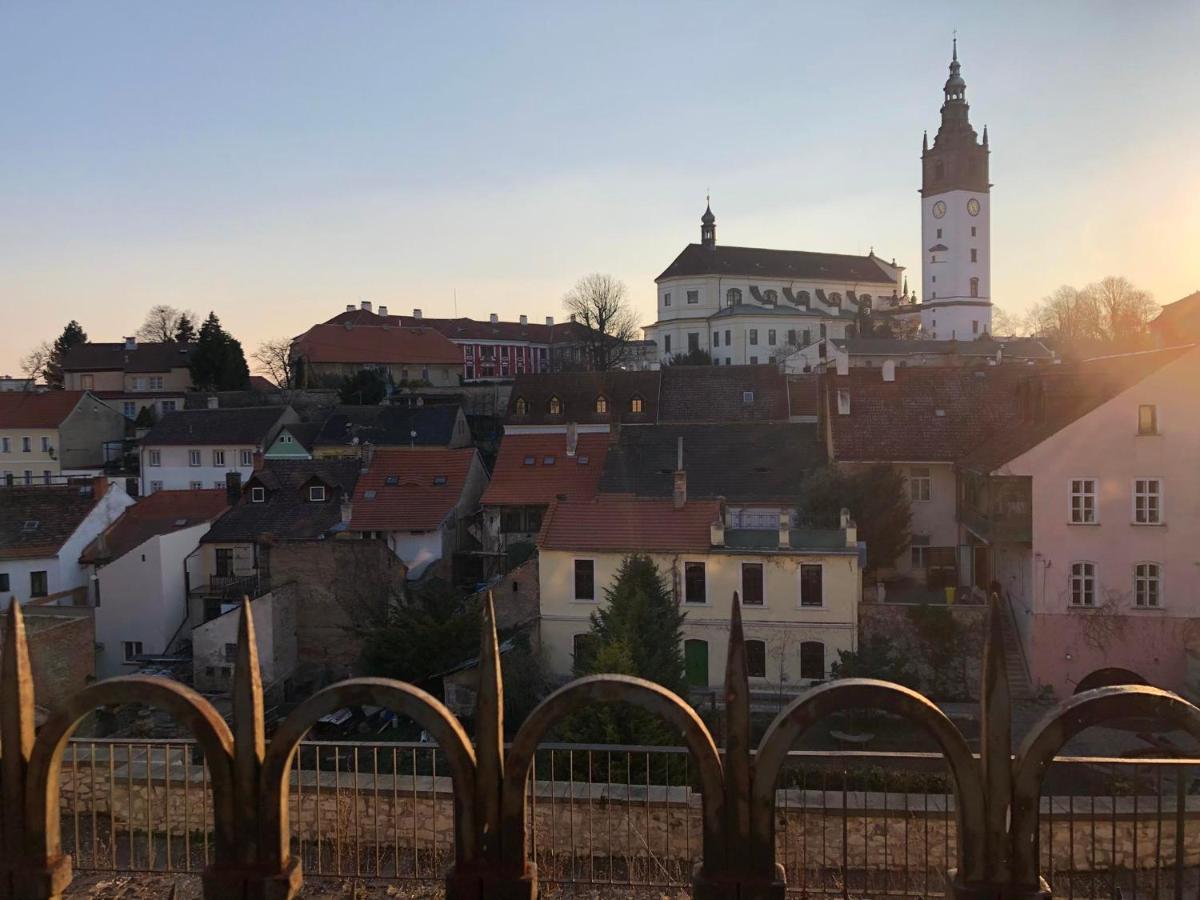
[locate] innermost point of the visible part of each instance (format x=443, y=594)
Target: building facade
x=46, y=435
x=132, y=376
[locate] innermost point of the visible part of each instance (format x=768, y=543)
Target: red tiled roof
x=623, y=523
x=723, y=394
x=803, y=398
x=577, y=393
x=160, y=513
x=377, y=344
x=416, y=502
x=35, y=521
x=464, y=329
x=24, y=409
x=515, y=483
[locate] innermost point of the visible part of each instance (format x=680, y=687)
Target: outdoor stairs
x=1019, y=685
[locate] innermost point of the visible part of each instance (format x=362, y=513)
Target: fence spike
x=489, y=734
x=996, y=741
x=16, y=728
x=737, y=732
x=248, y=731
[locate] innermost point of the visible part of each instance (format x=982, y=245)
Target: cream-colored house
x=799, y=589
x=131, y=376
x=47, y=435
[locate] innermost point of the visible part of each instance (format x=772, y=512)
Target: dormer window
x=835, y=299
x=733, y=297
x=601, y=404
x=636, y=405
x=316, y=493
x=547, y=460
x=369, y=495
x=554, y=407
x=521, y=407
x=529, y=460
x=771, y=297
x=391, y=480
x=258, y=495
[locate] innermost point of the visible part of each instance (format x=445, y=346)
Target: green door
x=695, y=662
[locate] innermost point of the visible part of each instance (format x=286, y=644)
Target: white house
x=194, y=449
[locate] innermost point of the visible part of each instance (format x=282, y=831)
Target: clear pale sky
x=273, y=162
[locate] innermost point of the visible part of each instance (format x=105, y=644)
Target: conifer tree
x=185, y=331
x=218, y=362
x=72, y=336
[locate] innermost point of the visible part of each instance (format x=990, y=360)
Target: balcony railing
x=232, y=588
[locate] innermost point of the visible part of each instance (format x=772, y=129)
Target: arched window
x=812, y=660
x=601, y=404
x=636, y=404
x=521, y=406
x=835, y=299
x=771, y=297
x=733, y=297
x=802, y=298
x=974, y=287
x=554, y=407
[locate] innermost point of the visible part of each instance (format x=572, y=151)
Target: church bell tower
x=955, y=222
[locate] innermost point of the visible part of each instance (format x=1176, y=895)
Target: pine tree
x=72, y=336
x=185, y=331
x=218, y=362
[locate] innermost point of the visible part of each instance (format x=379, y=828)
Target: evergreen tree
x=72, y=336
x=877, y=498
x=218, y=362
x=185, y=331
x=366, y=387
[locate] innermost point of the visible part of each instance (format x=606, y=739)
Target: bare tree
x=1123, y=312
x=162, y=323
x=600, y=303
x=34, y=363
x=1005, y=324
x=1107, y=315
x=274, y=360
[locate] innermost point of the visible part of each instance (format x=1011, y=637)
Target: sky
x=273, y=162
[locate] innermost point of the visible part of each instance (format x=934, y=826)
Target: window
x=771, y=297
x=86, y=382
x=918, y=556
x=1083, y=584
x=728, y=339
x=812, y=590
x=1147, y=420
x=155, y=457
x=843, y=401
x=45, y=445
x=230, y=653
x=753, y=337
x=667, y=299
x=521, y=406
x=193, y=457
x=974, y=255
x=133, y=649
x=972, y=231
x=554, y=407
x=791, y=337
x=716, y=339
x=129, y=409
x=139, y=384
x=666, y=343
x=218, y=457
x=38, y=584
x=168, y=406
x=247, y=458
x=258, y=495
x=548, y=460
x=693, y=296
x=636, y=405
x=974, y=287
x=756, y=659
x=4, y=584
x=771, y=337
x=440, y=480
x=1147, y=501
x=218, y=485
x=920, y=484
x=694, y=583
x=601, y=404
x=754, y=360
x=693, y=341
x=733, y=297
x=156, y=382
x=585, y=579
x=316, y=493
x=812, y=660
x=195, y=485
x=1083, y=501
x=939, y=232
x=5, y=445
x=752, y=584
x=29, y=476
x=26, y=445
x=1147, y=584
x=155, y=486
x=584, y=647
x=747, y=396
x=974, y=326
x=46, y=476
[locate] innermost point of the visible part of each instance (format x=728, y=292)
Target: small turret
x=708, y=226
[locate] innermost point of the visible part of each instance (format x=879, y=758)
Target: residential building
x=799, y=589
x=746, y=305
x=350, y=428
x=872, y=353
x=419, y=501
x=327, y=354
x=43, y=531
x=138, y=576
x=196, y=448
x=727, y=394
x=1085, y=508
x=1177, y=323
x=294, y=441
x=9, y=383
x=592, y=401
x=131, y=376
x=45, y=435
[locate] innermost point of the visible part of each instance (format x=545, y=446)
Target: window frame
x=824, y=661
x=918, y=477
x=1088, y=580
x=154, y=456
x=1136, y=496
x=194, y=458
x=258, y=494
x=801, y=603
x=218, y=458
x=45, y=583
x=1153, y=429
x=575, y=562
x=755, y=643
x=693, y=297
x=691, y=565
x=761, y=603
x=1140, y=580
x=137, y=648
x=1094, y=493
x=752, y=336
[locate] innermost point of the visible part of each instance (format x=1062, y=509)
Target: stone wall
x=62, y=651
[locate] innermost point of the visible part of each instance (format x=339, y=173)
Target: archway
x=1109, y=677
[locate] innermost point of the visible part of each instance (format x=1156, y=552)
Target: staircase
x=1019, y=686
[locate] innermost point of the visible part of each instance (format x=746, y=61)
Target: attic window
x=747, y=396
x=369, y=495
x=258, y=495
x=521, y=407
x=529, y=460
x=179, y=523
x=940, y=413
x=636, y=404
x=554, y=407
x=439, y=480
x=391, y=480
x=601, y=404
x=30, y=525
x=316, y=493
x=547, y=460
x=583, y=460
x=843, y=402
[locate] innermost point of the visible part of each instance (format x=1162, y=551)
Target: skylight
x=583, y=460
x=439, y=479
x=30, y=525
x=392, y=480
x=369, y=495
x=529, y=460
x=547, y=460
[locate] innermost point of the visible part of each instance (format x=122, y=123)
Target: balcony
x=997, y=509
x=221, y=593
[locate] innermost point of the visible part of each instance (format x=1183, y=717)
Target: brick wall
x=62, y=652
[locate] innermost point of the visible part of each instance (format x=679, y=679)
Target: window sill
x=1083, y=524
x=1148, y=524
x=804, y=606
x=584, y=601
x=1146, y=609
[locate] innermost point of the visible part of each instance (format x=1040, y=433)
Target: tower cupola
x=708, y=226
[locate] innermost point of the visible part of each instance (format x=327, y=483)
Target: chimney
x=889, y=370
x=572, y=438
x=383, y=310
x=257, y=460
x=347, y=510
x=572, y=317
x=493, y=318
x=843, y=362
x=785, y=531
x=850, y=528
x=679, y=494
x=416, y=313
x=349, y=307
x=213, y=401
x=549, y=320
x=524, y=320
x=716, y=532
x=233, y=487
x=844, y=518
x=99, y=486
x=366, y=305
x=130, y=343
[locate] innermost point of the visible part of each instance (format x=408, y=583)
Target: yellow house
x=53, y=433
x=799, y=588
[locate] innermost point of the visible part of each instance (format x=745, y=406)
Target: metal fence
x=852, y=823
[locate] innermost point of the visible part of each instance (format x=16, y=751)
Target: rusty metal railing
x=743, y=840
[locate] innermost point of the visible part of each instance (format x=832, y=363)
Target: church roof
x=697, y=259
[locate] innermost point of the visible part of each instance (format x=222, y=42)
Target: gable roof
x=577, y=391
x=1009, y=348
x=148, y=357
x=54, y=512
x=160, y=513
x=428, y=484
x=46, y=409
x=696, y=259
x=304, y=433
x=625, y=524
x=376, y=344
x=518, y=483
x=465, y=329
x=287, y=514
x=743, y=463
x=718, y=394
x=247, y=425
x=390, y=425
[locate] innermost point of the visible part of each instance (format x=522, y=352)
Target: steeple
x=956, y=159
x=708, y=226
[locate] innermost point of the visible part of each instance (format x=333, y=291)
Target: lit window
x=601, y=404
x=316, y=493
x=1147, y=584
x=554, y=407
x=756, y=659
x=521, y=407
x=1147, y=419
x=1083, y=584
x=1083, y=501
x=812, y=588
x=636, y=405
x=1147, y=501
x=920, y=484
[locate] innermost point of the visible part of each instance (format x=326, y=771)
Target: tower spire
x=708, y=225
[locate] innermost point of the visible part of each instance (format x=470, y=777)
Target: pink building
x=1088, y=510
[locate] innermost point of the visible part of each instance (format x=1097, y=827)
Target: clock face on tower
x=939, y=209
x=973, y=206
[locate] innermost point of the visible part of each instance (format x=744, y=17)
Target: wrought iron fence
x=756, y=823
